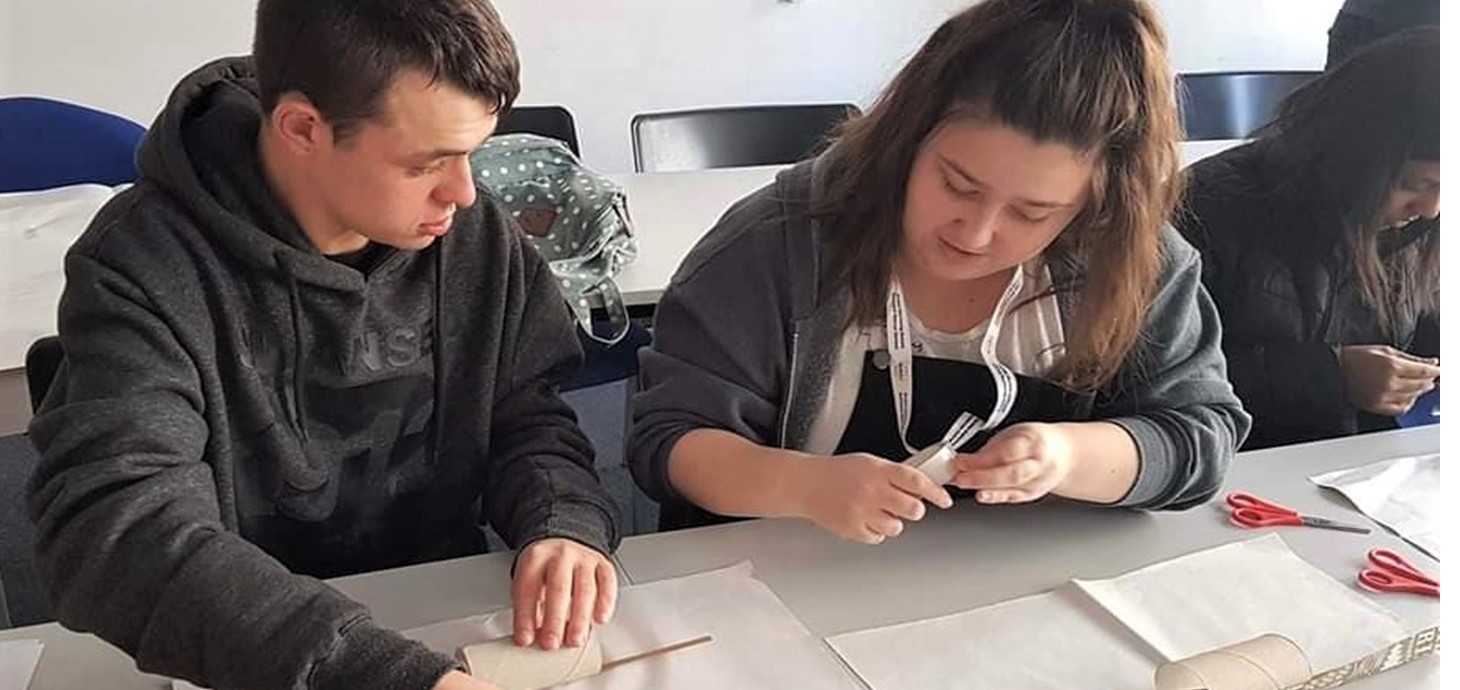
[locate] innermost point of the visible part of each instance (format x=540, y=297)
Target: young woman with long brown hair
x=977, y=274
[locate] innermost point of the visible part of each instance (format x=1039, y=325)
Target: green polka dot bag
x=577, y=219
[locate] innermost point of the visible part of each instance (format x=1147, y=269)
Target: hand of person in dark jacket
x=560, y=590
x=1384, y=380
x=456, y=680
x=863, y=498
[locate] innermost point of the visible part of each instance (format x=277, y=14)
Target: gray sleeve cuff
x=584, y=522
x=368, y=656
x=1154, y=461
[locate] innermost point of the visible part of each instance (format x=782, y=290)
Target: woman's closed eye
x=1032, y=216
x=959, y=187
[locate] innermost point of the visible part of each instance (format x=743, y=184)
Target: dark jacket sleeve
x=1426, y=340
x=1173, y=396
x=716, y=363
x=542, y=482
x=129, y=534
x=1293, y=388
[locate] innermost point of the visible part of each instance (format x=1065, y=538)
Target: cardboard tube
x=1269, y=662
x=504, y=664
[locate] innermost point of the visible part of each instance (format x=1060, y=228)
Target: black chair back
x=552, y=121
x=733, y=137
x=1232, y=105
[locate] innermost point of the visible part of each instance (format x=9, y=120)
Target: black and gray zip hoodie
x=238, y=415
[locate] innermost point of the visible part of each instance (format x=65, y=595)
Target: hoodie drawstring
x=296, y=373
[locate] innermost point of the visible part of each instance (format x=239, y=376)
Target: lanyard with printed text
x=899, y=347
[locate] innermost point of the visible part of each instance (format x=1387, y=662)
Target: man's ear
x=299, y=126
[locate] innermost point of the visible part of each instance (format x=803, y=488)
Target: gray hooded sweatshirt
x=747, y=334
x=238, y=415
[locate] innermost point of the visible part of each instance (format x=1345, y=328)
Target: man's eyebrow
x=440, y=153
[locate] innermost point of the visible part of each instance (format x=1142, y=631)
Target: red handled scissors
x=1252, y=512
x=1389, y=572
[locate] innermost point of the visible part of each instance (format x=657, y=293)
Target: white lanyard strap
x=899, y=347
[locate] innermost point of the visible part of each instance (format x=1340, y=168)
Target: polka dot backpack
x=577, y=219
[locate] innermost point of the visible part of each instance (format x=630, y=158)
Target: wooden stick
x=706, y=639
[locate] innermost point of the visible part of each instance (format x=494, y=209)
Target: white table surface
x=973, y=556
x=967, y=557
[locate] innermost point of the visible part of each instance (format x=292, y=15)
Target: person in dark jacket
x=1361, y=22
x=297, y=349
x=1321, y=241
x=991, y=239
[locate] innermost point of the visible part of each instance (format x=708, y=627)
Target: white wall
x=119, y=56
x=4, y=45
x=609, y=59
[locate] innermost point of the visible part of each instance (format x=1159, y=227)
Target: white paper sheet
x=1053, y=641
x=758, y=643
x=1236, y=592
x=18, y=659
x=1402, y=494
x=1114, y=633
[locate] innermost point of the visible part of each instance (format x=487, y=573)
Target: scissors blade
x=1325, y=523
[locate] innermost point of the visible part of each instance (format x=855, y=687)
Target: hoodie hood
x=203, y=151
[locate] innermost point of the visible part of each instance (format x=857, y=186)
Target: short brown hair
x=343, y=54
x=1091, y=74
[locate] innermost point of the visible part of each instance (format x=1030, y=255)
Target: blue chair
x=46, y=143
x=1426, y=410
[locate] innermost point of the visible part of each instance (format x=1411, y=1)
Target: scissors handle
x=1240, y=500
x=1376, y=580
x=1256, y=517
x=1395, y=564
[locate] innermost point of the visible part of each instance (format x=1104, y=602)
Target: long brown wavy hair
x=1090, y=74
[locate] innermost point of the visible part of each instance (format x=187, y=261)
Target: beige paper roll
x=504, y=664
x=935, y=461
x=1269, y=662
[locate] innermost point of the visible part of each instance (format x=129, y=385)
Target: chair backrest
x=733, y=137
x=46, y=143
x=1426, y=410
x=553, y=121
x=42, y=361
x=1231, y=105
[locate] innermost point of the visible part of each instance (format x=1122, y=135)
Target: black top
x=1396, y=13
x=1285, y=286
x=364, y=259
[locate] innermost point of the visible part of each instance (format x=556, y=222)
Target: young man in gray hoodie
x=297, y=349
